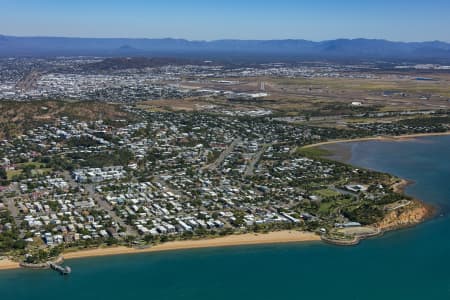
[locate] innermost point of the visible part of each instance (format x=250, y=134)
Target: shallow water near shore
x=408, y=264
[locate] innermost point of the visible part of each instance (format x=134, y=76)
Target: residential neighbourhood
x=177, y=175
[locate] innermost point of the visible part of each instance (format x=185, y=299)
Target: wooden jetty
x=60, y=269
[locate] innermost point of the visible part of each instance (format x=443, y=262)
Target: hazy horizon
x=212, y=40
x=404, y=21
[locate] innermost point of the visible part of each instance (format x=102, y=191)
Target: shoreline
x=401, y=186
x=397, y=220
x=7, y=264
x=387, y=138
x=248, y=239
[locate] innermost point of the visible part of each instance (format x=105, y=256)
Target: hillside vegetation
x=17, y=117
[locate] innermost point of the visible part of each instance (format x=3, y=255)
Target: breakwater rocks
x=355, y=240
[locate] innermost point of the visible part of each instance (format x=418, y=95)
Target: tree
x=3, y=175
x=129, y=239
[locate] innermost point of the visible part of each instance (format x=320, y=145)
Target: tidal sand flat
x=343, y=150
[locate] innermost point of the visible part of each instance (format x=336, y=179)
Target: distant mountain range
x=120, y=63
x=290, y=49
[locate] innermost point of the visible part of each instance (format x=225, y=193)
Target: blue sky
x=400, y=20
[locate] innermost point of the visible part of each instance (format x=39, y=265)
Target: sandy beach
x=232, y=240
x=6, y=264
x=278, y=237
x=227, y=241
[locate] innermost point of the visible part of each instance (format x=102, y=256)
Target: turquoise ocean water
x=408, y=264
